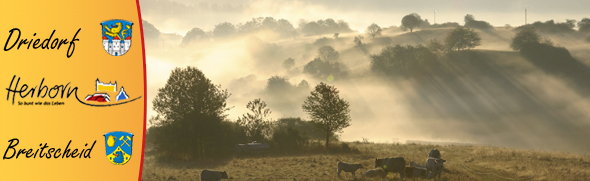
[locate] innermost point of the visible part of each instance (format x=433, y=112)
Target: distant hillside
x=489, y=95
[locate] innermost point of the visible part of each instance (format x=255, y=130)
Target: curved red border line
x=144, y=89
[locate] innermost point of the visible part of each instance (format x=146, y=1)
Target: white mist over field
x=522, y=106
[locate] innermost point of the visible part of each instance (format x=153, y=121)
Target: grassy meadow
x=463, y=163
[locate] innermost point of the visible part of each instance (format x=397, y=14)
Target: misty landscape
x=425, y=76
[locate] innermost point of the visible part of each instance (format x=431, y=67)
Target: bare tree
x=373, y=30
x=257, y=125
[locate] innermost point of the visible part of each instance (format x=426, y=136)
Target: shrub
x=289, y=140
x=402, y=60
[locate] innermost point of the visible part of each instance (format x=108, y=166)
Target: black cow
x=397, y=164
x=434, y=153
x=209, y=175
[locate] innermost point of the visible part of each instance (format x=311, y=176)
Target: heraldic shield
x=118, y=146
x=116, y=36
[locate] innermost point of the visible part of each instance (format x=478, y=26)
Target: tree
x=278, y=84
x=584, y=25
x=190, y=110
x=322, y=69
x=323, y=41
x=527, y=37
x=358, y=40
x=328, y=54
x=281, y=90
x=336, y=35
x=523, y=38
x=436, y=47
x=327, y=110
x=150, y=31
x=551, y=27
x=403, y=60
x=224, y=30
x=192, y=35
x=469, y=18
x=257, y=125
x=288, y=139
x=461, y=38
x=308, y=128
x=292, y=134
x=324, y=27
x=411, y=21
x=571, y=23
x=303, y=85
x=425, y=24
x=288, y=63
x=470, y=22
x=280, y=26
x=373, y=30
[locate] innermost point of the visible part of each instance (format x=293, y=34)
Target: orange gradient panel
x=69, y=119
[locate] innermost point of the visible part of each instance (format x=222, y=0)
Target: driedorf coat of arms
x=116, y=36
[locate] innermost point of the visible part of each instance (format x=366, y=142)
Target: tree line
x=330, y=26
x=192, y=124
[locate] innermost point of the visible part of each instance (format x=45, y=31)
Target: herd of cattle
x=433, y=167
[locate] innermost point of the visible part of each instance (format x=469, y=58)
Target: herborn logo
x=103, y=91
x=118, y=146
x=116, y=36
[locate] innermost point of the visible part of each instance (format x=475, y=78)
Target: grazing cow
x=435, y=166
x=397, y=164
x=434, y=153
x=378, y=172
x=347, y=167
x=209, y=175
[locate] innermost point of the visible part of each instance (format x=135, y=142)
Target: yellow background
x=57, y=125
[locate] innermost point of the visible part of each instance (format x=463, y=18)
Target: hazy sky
x=182, y=15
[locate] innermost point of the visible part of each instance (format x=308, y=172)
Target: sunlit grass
x=463, y=163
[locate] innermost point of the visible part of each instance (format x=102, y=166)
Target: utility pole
x=435, y=16
x=525, y=15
